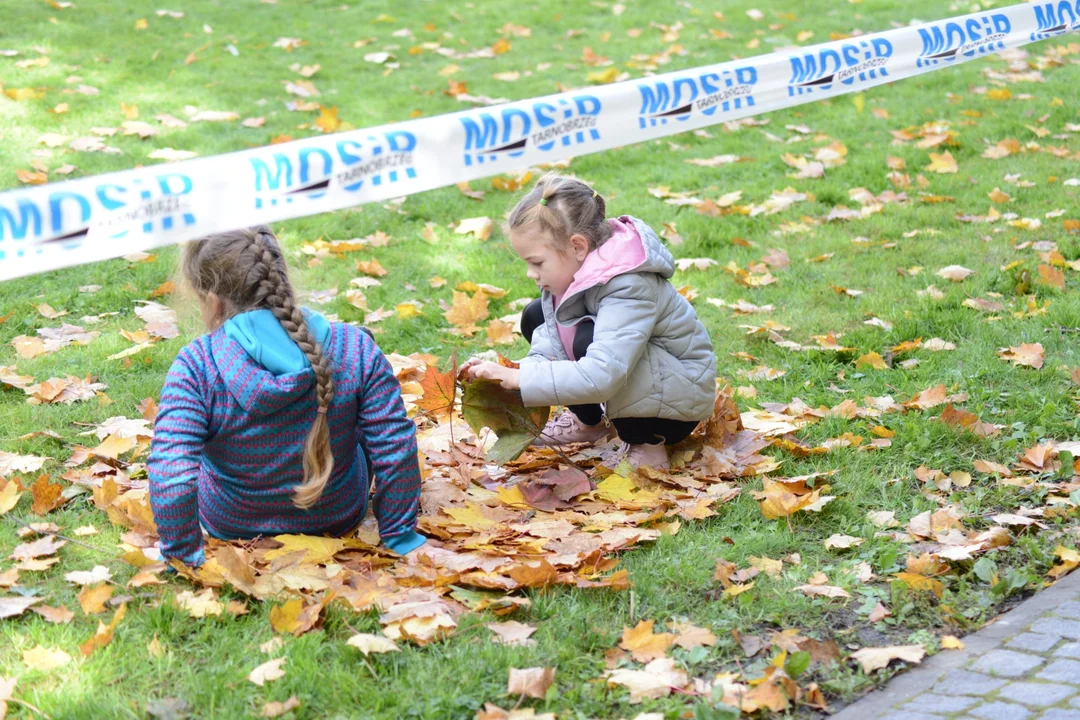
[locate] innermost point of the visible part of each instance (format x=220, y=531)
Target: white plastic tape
x=60, y=224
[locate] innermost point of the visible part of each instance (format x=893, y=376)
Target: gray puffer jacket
x=650, y=355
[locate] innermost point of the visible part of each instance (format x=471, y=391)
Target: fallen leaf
x=928, y=398
x=1027, y=354
x=45, y=659
x=943, y=163
x=956, y=273
x=267, y=672
x=951, y=642
x=99, y=574
x=60, y=615
x=655, y=680
x=274, y=709
x=92, y=598
x=9, y=496
x=104, y=634
x=47, y=495
x=837, y=541
x=690, y=636
x=13, y=606
x=368, y=643
x=512, y=633
x=879, y=613
x=465, y=311
x=823, y=590
x=328, y=120
x=199, y=604
x=41, y=547
x=479, y=227
x=872, y=659
x=643, y=644
x=530, y=682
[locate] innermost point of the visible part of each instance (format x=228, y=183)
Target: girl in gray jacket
x=611, y=338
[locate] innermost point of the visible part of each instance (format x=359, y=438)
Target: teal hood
x=267, y=343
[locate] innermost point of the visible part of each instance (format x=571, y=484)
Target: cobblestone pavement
x=1023, y=666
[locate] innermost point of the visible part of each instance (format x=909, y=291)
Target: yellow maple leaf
x=92, y=598
x=942, y=163
x=603, y=77
x=920, y=582
x=45, y=659
x=643, y=644
x=9, y=496
x=615, y=488
x=317, y=550
x=471, y=516
x=104, y=634
x=328, y=120
x=480, y=227
x=873, y=360
x=371, y=267
x=285, y=618
x=114, y=446
x=500, y=333
x=466, y=311
x=951, y=642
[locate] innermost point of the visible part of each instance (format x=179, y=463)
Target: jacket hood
x=632, y=248
x=264, y=370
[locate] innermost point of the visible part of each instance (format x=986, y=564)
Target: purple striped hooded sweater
x=229, y=440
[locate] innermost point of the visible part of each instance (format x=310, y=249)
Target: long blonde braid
x=246, y=268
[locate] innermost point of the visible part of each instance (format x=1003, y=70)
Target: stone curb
x=921, y=679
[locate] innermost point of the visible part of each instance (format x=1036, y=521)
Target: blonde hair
x=246, y=269
x=563, y=207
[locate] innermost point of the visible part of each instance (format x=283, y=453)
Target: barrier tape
x=56, y=225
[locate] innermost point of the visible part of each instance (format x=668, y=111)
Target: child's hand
x=509, y=378
x=463, y=369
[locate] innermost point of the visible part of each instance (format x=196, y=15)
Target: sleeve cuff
x=193, y=559
x=405, y=543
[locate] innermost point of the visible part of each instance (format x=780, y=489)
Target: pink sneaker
x=566, y=428
x=654, y=456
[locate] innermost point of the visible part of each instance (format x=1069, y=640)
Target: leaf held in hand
x=486, y=403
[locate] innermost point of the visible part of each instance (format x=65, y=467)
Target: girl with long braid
x=277, y=420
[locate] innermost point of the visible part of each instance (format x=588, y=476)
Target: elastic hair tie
x=543, y=201
x=594, y=194
x=321, y=411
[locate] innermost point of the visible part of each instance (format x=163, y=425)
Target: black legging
x=635, y=431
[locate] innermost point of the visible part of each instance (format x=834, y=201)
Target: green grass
x=206, y=661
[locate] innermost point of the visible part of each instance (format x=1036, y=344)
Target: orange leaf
x=104, y=634
x=30, y=177
x=528, y=575
x=927, y=398
x=1052, y=276
x=165, y=288
x=643, y=644
x=47, y=496
x=371, y=267
x=500, y=333
x=328, y=119
x=439, y=390
x=148, y=408
x=920, y=582
x=466, y=311
x=92, y=598
x=1030, y=354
